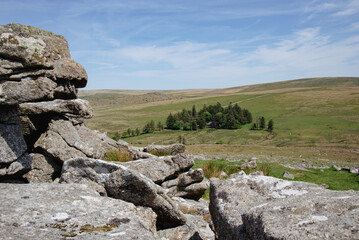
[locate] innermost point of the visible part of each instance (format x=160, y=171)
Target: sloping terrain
x=315, y=119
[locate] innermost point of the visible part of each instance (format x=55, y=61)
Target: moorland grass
x=336, y=180
x=313, y=119
x=117, y=156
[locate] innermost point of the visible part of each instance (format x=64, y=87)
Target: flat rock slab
x=69, y=211
x=260, y=207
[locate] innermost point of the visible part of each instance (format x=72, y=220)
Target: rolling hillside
x=315, y=119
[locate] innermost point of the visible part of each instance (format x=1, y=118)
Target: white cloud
x=306, y=53
x=348, y=8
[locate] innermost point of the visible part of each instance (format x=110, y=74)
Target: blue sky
x=167, y=44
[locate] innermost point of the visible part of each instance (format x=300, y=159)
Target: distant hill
x=112, y=96
x=314, y=118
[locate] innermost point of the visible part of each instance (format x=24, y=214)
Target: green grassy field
x=336, y=180
x=315, y=120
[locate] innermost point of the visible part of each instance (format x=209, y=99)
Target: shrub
x=264, y=167
x=177, y=125
x=117, y=156
x=186, y=126
x=212, y=169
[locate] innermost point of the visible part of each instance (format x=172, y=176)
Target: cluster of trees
x=261, y=125
x=150, y=127
x=215, y=116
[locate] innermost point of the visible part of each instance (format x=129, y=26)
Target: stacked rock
x=41, y=120
x=43, y=137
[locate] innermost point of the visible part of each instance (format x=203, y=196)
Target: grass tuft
x=214, y=168
x=117, y=156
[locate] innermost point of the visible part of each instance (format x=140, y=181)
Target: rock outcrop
x=159, y=169
x=41, y=117
x=163, y=150
x=197, y=212
x=70, y=211
x=44, y=139
x=122, y=183
x=260, y=207
x=191, y=184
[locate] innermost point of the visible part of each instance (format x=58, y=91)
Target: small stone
x=250, y=165
x=337, y=168
x=288, y=175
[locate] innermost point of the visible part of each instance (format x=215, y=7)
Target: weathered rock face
x=36, y=116
x=64, y=211
x=119, y=182
x=38, y=91
x=260, y=207
x=14, y=160
x=43, y=169
x=184, y=232
x=63, y=141
x=191, y=184
x=197, y=212
x=130, y=186
x=158, y=169
x=35, y=64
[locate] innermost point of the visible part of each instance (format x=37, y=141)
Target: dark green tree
x=247, y=116
x=194, y=112
x=170, y=121
x=152, y=126
x=201, y=123
x=231, y=122
x=129, y=132
x=177, y=125
x=124, y=134
x=262, y=123
x=137, y=132
x=186, y=116
x=159, y=126
x=207, y=116
x=270, y=126
x=186, y=126
x=194, y=125
x=217, y=121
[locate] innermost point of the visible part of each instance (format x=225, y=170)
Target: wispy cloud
x=348, y=8
x=354, y=26
x=159, y=43
x=305, y=53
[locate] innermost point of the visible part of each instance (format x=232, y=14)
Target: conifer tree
x=262, y=123
x=194, y=125
x=194, y=112
x=170, y=121
x=270, y=126
x=201, y=123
